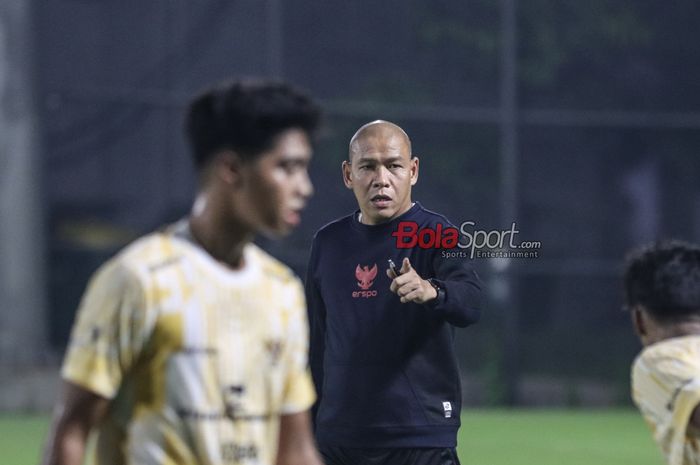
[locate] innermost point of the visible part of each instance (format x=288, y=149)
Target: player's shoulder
x=675, y=347
x=271, y=267
x=150, y=251
x=677, y=355
x=129, y=267
x=336, y=227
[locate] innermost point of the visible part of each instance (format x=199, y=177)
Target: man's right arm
x=107, y=337
x=76, y=413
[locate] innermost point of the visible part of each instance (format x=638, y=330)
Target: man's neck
x=673, y=330
x=223, y=240
x=686, y=328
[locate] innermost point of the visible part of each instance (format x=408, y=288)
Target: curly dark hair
x=246, y=116
x=664, y=277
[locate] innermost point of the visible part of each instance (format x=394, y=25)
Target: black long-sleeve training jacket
x=385, y=371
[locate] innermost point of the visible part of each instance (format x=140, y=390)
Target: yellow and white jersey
x=666, y=388
x=199, y=360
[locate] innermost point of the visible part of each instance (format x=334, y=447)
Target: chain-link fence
x=578, y=121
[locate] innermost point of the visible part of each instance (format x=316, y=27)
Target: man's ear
x=347, y=174
x=415, y=162
x=639, y=322
x=228, y=167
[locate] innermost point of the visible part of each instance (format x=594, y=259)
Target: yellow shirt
x=199, y=360
x=666, y=388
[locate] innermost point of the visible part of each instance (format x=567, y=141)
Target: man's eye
x=290, y=166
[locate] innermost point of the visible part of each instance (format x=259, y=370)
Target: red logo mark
x=408, y=235
x=365, y=276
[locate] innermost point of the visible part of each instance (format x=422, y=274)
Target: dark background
x=577, y=120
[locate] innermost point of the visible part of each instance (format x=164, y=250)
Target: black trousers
x=333, y=455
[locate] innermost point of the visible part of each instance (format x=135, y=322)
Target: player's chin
x=282, y=223
x=280, y=228
x=277, y=231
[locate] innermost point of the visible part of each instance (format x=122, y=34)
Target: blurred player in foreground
x=662, y=287
x=382, y=351
x=190, y=346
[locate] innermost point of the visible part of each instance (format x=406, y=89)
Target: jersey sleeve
x=299, y=393
x=108, y=333
x=666, y=389
x=461, y=306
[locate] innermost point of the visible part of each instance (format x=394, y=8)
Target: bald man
x=382, y=354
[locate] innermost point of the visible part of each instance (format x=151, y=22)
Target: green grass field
x=555, y=437
x=487, y=437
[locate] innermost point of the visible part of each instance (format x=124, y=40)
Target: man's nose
x=306, y=187
x=381, y=179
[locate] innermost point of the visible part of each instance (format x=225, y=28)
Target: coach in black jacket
x=382, y=352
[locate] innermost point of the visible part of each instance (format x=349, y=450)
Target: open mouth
x=293, y=217
x=380, y=200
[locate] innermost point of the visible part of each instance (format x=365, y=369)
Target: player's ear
x=229, y=167
x=347, y=174
x=638, y=322
x=414, y=170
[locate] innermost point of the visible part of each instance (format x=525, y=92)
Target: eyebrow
x=374, y=160
x=294, y=156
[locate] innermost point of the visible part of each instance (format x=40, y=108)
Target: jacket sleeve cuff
x=441, y=294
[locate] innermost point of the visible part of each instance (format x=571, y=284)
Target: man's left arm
x=296, y=444
x=454, y=292
x=461, y=303
x=694, y=423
